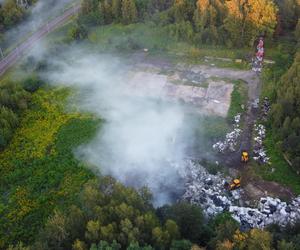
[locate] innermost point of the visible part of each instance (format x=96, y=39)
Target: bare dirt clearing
x=207, y=88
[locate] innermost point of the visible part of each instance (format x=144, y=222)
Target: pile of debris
x=207, y=191
x=265, y=109
x=257, y=61
x=269, y=211
x=259, y=152
x=231, y=139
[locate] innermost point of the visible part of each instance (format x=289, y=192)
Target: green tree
x=172, y=229
x=106, y=11
x=79, y=245
x=11, y=13
x=287, y=13
x=55, y=233
x=160, y=238
x=283, y=245
x=181, y=245
x=19, y=246
x=116, y=8
x=189, y=219
x=77, y=32
x=183, y=10
x=129, y=11
x=136, y=246
x=285, y=113
x=92, y=233
x=297, y=31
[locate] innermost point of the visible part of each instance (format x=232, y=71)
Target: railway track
x=24, y=47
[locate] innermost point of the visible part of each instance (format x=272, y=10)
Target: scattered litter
x=265, y=109
x=257, y=61
x=259, y=152
x=231, y=138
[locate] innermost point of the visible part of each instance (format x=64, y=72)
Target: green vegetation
x=239, y=98
x=38, y=170
x=108, y=213
x=280, y=84
x=11, y=13
x=282, y=173
x=220, y=22
x=13, y=101
x=285, y=121
x=51, y=200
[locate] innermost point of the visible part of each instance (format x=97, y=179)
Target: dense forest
x=230, y=23
x=64, y=206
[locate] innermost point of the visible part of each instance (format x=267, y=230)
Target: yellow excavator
x=245, y=156
x=235, y=184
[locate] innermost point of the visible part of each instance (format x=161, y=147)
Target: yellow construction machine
x=245, y=156
x=235, y=184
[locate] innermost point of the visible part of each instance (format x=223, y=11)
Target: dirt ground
x=209, y=96
x=209, y=88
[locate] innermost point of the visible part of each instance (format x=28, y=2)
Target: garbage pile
x=259, y=152
x=269, y=211
x=255, y=104
x=207, y=191
x=231, y=139
x=257, y=61
x=265, y=109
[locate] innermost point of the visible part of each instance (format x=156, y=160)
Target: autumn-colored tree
x=255, y=239
x=247, y=19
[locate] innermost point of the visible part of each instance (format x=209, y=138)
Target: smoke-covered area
x=38, y=16
x=143, y=140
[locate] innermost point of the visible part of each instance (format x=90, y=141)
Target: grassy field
x=38, y=171
x=238, y=98
x=134, y=37
x=282, y=173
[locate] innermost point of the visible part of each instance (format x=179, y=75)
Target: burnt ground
x=254, y=187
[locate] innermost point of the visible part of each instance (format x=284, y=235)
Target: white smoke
x=42, y=12
x=142, y=140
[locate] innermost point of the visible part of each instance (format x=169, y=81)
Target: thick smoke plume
x=143, y=139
